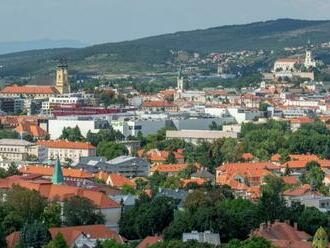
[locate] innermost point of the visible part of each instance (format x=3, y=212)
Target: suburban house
x=76, y=236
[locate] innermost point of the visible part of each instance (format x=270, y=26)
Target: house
x=32, y=129
x=21, y=150
x=299, y=166
x=322, y=203
x=67, y=150
x=179, y=195
x=196, y=181
x=115, y=180
x=299, y=191
x=202, y=237
x=204, y=174
x=76, y=236
x=148, y=241
x=169, y=169
x=157, y=156
x=283, y=235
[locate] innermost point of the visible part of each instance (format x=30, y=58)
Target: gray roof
x=203, y=173
x=15, y=142
x=120, y=159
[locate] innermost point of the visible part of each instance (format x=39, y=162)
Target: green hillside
x=140, y=55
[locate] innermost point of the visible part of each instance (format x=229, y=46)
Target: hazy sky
x=96, y=21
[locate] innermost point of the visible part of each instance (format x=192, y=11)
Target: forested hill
x=156, y=50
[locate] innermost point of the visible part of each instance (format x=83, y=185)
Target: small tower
x=309, y=62
x=62, y=79
x=320, y=239
x=180, y=81
x=58, y=177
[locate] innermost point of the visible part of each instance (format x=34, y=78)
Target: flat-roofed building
x=197, y=136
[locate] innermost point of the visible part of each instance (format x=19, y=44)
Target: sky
x=99, y=21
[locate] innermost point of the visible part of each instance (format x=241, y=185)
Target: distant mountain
x=19, y=46
x=141, y=54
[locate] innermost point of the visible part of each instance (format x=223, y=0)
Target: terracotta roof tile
x=29, y=90
x=65, y=144
x=167, y=168
x=150, y=240
x=48, y=171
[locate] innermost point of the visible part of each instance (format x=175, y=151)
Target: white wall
x=56, y=127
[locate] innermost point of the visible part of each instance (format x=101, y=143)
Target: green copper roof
x=57, y=177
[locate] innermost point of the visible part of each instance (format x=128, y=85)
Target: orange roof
x=158, y=156
x=300, y=191
x=48, y=171
x=300, y=164
x=71, y=233
x=291, y=180
x=167, y=168
x=148, y=241
x=198, y=181
x=246, y=167
x=95, y=231
x=276, y=157
x=31, y=128
x=282, y=233
x=115, y=180
x=65, y=144
x=29, y=90
x=62, y=192
x=159, y=104
x=306, y=157
x=230, y=181
x=301, y=120
x=247, y=156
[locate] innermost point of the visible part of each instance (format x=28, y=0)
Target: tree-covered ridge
x=142, y=53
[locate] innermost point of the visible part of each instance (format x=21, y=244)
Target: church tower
x=58, y=177
x=180, y=82
x=309, y=62
x=62, y=78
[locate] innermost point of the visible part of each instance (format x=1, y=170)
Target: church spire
x=57, y=177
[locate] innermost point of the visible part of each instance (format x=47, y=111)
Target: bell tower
x=62, y=79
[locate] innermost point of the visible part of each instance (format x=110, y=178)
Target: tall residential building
x=62, y=78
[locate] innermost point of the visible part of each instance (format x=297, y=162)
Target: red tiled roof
x=95, y=231
x=299, y=164
x=291, y=180
x=71, y=233
x=62, y=192
x=161, y=156
x=167, y=168
x=300, y=191
x=65, y=144
x=148, y=241
x=29, y=90
x=282, y=233
x=115, y=180
x=198, y=181
x=48, y=171
x=30, y=128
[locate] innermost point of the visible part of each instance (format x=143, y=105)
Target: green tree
x=271, y=203
x=34, y=235
x=314, y=175
x=52, y=214
x=311, y=219
x=171, y=158
x=148, y=217
x=111, y=149
x=72, y=134
x=79, y=211
x=57, y=242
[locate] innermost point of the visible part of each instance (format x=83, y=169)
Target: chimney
x=295, y=226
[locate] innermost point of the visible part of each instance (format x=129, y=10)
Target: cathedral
x=62, y=86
